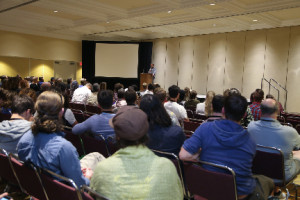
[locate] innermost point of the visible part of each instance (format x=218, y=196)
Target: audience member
x=29, y=92
x=23, y=84
x=103, y=86
x=269, y=132
x=74, y=86
x=173, y=106
x=12, y=130
x=46, y=147
x=227, y=143
x=135, y=172
x=217, y=105
x=162, y=96
x=163, y=135
x=181, y=97
x=145, y=89
x=130, y=97
x=34, y=84
x=206, y=107
x=92, y=100
x=82, y=94
x=6, y=101
x=258, y=96
x=187, y=94
x=83, y=82
x=98, y=124
x=269, y=96
x=121, y=99
x=192, y=102
x=69, y=82
x=117, y=86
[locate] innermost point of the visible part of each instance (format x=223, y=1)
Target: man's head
x=258, y=95
x=89, y=86
x=150, y=87
x=96, y=87
x=152, y=65
x=173, y=91
x=130, y=97
x=193, y=94
x=23, y=105
x=145, y=86
x=161, y=94
x=130, y=125
x=235, y=107
x=269, y=108
x=218, y=103
x=105, y=99
x=121, y=93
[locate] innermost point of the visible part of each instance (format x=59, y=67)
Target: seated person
x=92, y=100
x=135, y=172
x=163, y=135
x=192, y=102
x=217, y=105
x=130, y=97
x=12, y=130
x=45, y=146
x=269, y=132
x=98, y=123
x=227, y=143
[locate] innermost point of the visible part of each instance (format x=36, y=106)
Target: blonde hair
x=48, y=106
x=208, y=103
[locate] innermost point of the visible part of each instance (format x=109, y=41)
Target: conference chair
x=204, y=184
x=59, y=187
x=92, y=109
x=191, y=125
x=75, y=140
x=112, y=145
x=200, y=116
x=77, y=106
x=178, y=164
x=190, y=113
x=95, y=144
x=89, y=194
x=29, y=178
x=79, y=115
x=4, y=116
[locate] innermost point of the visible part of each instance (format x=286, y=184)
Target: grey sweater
x=11, y=132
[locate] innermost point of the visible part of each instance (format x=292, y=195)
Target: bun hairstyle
x=48, y=106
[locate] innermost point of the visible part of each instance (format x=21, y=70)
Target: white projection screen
x=116, y=60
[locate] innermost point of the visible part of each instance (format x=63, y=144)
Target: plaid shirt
x=255, y=109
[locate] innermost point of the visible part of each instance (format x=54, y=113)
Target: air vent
x=56, y=62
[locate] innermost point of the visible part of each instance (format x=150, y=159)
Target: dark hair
x=29, y=92
x=267, y=110
x=121, y=93
x=130, y=97
x=48, y=106
x=181, y=95
x=23, y=84
x=96, y=87
x=235, y=107
x=122, y=143
x=156, y=112
x=22, y=103
x=69, y=80
x=218, y=103
x=134, y=87
x=193, y=94
x=105, y=98
x=161, y=94
x=150, y=86
x=270, y=96
x=103, y=86
x=258, y=95
x=118, y=86
x=173, y=91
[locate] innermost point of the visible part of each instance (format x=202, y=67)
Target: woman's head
x=48, y=107
x=157, y=114
x=208, y=102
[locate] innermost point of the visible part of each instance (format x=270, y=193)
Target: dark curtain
x=88, y=64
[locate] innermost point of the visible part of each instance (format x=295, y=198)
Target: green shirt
x=135, y=172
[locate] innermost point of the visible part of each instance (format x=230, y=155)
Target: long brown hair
x=48, y=106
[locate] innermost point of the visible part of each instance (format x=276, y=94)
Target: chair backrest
x=190, y=113
x=4, y=116
x=298, y=128
x=92, y=144
x=112, y=145
x=269, y=161
x=89, y=194
x=75, y=140
x=59, y=190
x=79, y=116
x=178, y=164
x=6, y=171
x=92, y=109
x=199, y=116
x=294, y=120
x=77, y=106
x=29, y=178
x=210, y=184
x=281, y=118
x=191, y=126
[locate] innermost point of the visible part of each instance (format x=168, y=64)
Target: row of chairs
x=85, y=108
x=41, y=183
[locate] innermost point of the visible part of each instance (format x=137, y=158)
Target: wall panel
x=159, y=58
x=200, y=62
x=216, y=63
x=172, y=62
x=235, y=55
x=11, y=66
x=254, y=61
x=185, y=62
x=41, y=68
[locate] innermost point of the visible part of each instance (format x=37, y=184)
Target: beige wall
x=29, y=55
x=239, y=59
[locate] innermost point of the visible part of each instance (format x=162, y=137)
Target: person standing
x=152, y=71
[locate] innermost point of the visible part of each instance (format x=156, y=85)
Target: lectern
x=145, y=78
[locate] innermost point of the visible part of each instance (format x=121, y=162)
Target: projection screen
x=116, y=60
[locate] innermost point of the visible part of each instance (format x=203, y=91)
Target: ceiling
x=136, y=20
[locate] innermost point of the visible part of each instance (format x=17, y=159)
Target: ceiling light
x=212, y=4
x=107, y=22
x=55, y=11
x=255, y=20
x=214, y=24
x=169, y=11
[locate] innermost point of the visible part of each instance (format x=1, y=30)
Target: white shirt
x=81, y=95
x=200, y=108
x=177, y=109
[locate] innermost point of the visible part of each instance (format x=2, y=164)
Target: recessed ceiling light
x=255, y=20
x=108, y=22
x=214, y=24
x=55, y=11
x=212, y=4
x=169, y=11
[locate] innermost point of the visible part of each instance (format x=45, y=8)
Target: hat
x=130, y=123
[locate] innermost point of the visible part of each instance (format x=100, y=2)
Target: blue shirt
x=227, y=143
x=53, y=152
x=96, y=124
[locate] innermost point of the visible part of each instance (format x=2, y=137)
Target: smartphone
x=5, y=198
